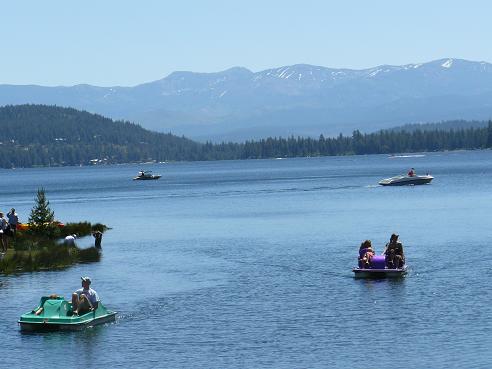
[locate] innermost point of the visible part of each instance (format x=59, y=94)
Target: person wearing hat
x=85, y=299
x=70, y=240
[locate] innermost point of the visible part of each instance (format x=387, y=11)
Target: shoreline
x=390, y=155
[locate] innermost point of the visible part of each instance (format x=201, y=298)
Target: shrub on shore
x=81, y=229
x=35, y=255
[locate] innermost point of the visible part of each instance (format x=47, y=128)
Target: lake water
x=248, y=264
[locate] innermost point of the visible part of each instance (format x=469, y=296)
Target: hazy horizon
x=240, y=66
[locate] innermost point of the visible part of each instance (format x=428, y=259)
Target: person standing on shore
x=13, y=221
x=97, y=239
x=3, y=235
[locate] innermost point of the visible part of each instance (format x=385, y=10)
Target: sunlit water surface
x=248, y=264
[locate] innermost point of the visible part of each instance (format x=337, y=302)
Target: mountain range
x=238, y=104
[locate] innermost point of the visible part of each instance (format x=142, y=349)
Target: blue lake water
x=248, y=264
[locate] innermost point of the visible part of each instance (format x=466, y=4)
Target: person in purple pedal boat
x=394, y=255
x=366, y=253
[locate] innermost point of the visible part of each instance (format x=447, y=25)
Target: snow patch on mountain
x=447, y=64
x=373, y=74
x=109, y=93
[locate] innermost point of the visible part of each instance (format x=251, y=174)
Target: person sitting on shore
x=85, y=299
x=365, y=254
x=394, y=256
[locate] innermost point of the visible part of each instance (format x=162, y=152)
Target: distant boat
x=407, y=156
x=146, y=175
x=403, y=180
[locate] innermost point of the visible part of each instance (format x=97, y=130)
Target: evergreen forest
x=41, y=135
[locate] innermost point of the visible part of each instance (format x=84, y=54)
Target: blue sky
x=125, y=43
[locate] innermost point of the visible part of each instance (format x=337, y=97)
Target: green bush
x=88, y=255
x=53, y=256
x=99, y=227
x=49, y=255
x=81, y=229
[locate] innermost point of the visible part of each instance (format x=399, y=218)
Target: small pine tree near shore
x=41, y=219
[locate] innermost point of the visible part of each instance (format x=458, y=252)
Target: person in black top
x=394, y=256
x=97, y=239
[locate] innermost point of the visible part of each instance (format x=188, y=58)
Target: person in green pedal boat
x=85, y=299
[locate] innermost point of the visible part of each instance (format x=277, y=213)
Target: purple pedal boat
x=378, y=269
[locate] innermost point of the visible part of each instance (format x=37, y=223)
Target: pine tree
x=41, y=219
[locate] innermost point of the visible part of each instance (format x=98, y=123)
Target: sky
x=126, y=43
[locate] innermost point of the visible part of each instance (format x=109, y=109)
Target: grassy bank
x=32, y=252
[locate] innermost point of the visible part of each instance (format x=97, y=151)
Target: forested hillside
x=442, y=126
x=39, y=135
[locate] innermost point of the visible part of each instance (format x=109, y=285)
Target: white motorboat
x=403, y=180
x=146, y=175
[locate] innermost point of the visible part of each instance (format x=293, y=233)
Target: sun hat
x=86, y=279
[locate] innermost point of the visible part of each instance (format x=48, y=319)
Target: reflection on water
x=248, y=264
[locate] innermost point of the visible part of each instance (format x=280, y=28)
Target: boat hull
x=379, y=273
x=54, y=313
x=146, y=178
x=406, y=181
x=51, y=326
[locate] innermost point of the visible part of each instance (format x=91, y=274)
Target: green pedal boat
x=56, y=314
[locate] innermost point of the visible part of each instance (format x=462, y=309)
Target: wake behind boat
x=146, y=175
